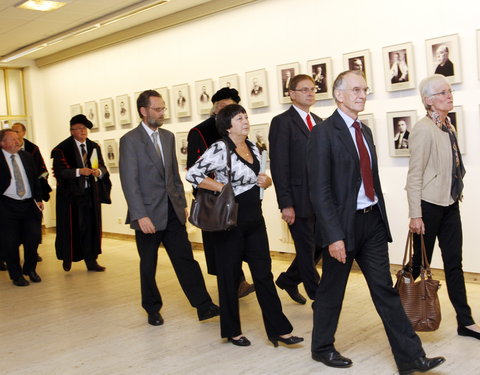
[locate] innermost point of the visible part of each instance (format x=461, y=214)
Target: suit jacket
x=42, y=170
x=148, y=183
x=30, y=170
x=335, y=179
x=288, y=138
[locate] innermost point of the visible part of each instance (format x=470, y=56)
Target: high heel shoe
x=464, y=331
x=287, y=341
x=242, y=341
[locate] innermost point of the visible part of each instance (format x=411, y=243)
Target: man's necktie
x=20, y=184
x=365, y=168
x=309, y=122
x=156, y=143
x=84, y=155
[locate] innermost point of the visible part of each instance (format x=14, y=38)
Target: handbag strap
x=425, y=266
x=229, y=161
x=408, y=254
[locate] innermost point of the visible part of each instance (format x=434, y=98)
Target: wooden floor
x=92, y=323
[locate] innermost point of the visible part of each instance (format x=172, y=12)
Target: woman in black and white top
x=248, y=240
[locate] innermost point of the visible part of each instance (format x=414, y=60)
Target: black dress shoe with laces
x=332, y=359
x=155, y=319
x=242, y=341
x=20, y=281
x=208, y=312
x=464, y=331
x=422, y=364
x=34, y=277
x=92, y=265
x=294, y=294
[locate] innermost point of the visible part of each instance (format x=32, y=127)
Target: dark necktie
x=365, y=168
x=84, y=155
x=309, y=122
x=17, y=175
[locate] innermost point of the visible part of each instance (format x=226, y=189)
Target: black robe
x=70, y=191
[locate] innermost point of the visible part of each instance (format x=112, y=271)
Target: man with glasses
x=288, y=136
x=157, y=208
x=81, y=175
x=352, y=225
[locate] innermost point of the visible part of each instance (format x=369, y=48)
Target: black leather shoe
x=242, y=341
x=3, y=265
x=292, y=340
x=333, y=359
x=20, y=281
x=34, y=277
x=208, y=312
x=155, y=319
x=464, y=331
x=244, y=289
x=422, y=364
x=39, y=258
x=67, y=266
x=92, y=265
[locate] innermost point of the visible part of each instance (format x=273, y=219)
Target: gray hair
x=338, y=83
x=427, y=84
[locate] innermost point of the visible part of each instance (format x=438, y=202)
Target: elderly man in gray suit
x=157, y=208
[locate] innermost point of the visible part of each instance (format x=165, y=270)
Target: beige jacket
x=430, y=170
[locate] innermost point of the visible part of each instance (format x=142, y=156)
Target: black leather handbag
x=213, y=211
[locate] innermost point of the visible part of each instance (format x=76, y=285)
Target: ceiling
x=22, y=29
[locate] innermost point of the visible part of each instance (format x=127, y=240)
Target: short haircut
x=4, y=132
x=143, y=99
x=22, y=126
x=225, y=116
x=427, y=84
x=338, y=83
x=299, y=77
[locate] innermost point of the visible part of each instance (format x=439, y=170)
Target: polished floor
x=92, y=323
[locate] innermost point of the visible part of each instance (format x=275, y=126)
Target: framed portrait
x=181, y=145
x=124, y=115
x=91, y=111
x=360, y=60
x=110, y=153
x=399, y=127
x=285, y=73
x=322, y=73
x=106, y=113
x=456, y=119
x=369, y=120
x=163, y=91
x=399, y=67
x=257, y=88
x=443, y=57
x=231, y=81
x=259, y=135
x=181, y=98
x=204, y=92
x=75, y=109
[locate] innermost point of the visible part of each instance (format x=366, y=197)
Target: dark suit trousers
x=20, y=221
x=174, y=238
x=84, y=235
x=303, y=268
x=371, y=254
x=446, y=224
x=247, y=242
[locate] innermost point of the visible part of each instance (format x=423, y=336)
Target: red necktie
x=365, y=167
x=309, y=122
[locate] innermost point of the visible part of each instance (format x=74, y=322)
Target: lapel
x=371, y=146
x=298, y=121
x=76, y=153
x=166, y=149
x=345, y=136
x=5, y=172
x=150, y=149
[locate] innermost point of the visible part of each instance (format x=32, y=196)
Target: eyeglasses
x=305, y=90
x=443, y=93
x=163, y=109
x=81, y=128
x=359, y=90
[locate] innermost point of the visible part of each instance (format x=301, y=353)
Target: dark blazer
x=30, y=170
x=33, y=149
x=288, y=138
x=334, y=169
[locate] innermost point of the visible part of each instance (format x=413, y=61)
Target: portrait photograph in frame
x=91, y=111
x=75, y=109
x=322, y=73
x=257, y=88
x=285, y=73
x=399, y=67
x=181, y=98
x=110, y=153
x=230, y=81
x=204, y=92
x=163, y=91
x=399, y=127
x=369, y=120
x=107, y=113
x=259, y=135
x=124, y=115
x=456, y=119
x=360, y=60
x=443, y=57
x=181, y=146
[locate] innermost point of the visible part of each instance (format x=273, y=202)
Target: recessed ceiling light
x=41, y=5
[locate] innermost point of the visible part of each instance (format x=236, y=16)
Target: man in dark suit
x=288, y=136
x=21, y=209
x=352, y=225
x=157, y=208
x=200, y=138
x=81, y=176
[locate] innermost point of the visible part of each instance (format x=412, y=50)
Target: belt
x=366, y=210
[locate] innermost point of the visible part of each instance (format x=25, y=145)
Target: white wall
x=263, y=35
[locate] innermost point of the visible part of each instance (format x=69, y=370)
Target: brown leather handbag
x=419, y=298
x=213, y=211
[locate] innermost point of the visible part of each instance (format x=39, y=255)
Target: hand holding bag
x=212, y=211
x=419, y=299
